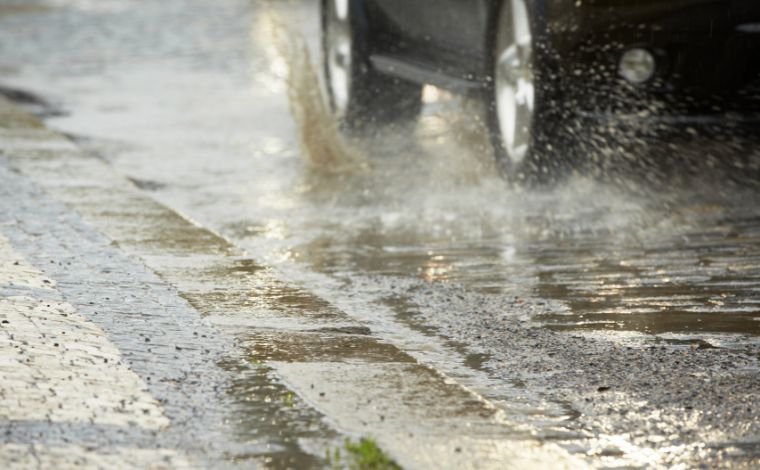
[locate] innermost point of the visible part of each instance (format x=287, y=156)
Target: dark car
x=544, y=66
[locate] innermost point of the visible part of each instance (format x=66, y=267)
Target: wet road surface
x=618, y=319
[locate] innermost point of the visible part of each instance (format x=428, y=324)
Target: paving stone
x=35, y=456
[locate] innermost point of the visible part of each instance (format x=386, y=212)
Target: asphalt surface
x=615, y=317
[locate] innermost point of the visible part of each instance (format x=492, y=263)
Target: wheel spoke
x=524, y=94
x=339, y=50
x=520, y=24
x=341, y=10
x=525, y=55
x=508, y=63
x=515, y=93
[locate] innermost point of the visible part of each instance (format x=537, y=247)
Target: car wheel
x=360, y=96
x=521, y=124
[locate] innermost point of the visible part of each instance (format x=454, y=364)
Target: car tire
x=524, y=108
x=359, y=96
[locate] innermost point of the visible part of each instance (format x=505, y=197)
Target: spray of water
x=321, y=142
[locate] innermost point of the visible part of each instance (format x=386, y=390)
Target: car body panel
x=701, y=49
x=446, y=36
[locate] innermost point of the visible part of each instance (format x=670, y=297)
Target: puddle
x=272, y=423
x=697, y=275
x=251, y=287
x=22, y=8
x=147, y=185
x=323, y=347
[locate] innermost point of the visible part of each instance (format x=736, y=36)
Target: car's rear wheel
x=520, y=120
x=359, y=95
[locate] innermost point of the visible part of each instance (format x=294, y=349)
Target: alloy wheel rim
x=514, y=79
x=339, y=49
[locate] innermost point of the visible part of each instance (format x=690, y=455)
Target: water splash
x=321, y=141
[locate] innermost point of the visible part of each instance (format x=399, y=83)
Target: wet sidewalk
x=63, y=378
x=93, y=348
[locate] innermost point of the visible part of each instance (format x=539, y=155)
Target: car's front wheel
x=359, y=95
x=521, y=122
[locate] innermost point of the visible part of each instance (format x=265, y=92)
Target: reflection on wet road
x=697, y=273
x=190, y=101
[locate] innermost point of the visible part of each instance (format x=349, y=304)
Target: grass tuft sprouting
x=363, y=454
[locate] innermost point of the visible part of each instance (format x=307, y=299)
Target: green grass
x=289, y=399
x=361, y=455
